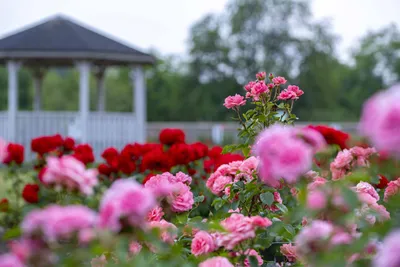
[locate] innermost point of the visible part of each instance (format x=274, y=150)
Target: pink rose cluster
x=235, y=101
x=380, y=120
x=230, y=173
x=125, y=200
x=370, y=209
x=392, y=189
x=238, y=229
x=293, y=92
x=69, y=173
x=347, y=159
x=175, y=188
x=320, y=236
x=286, y=152
x=58, y=222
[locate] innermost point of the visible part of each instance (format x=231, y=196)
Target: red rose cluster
x=157, y=158
x=58, y=146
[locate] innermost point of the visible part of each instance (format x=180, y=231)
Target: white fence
x=104, y=129
x=118, y=129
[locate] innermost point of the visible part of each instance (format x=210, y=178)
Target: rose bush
x=282, y=196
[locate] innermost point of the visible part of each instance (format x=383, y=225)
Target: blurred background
x=338, y=51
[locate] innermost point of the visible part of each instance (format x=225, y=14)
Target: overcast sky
x=164, y=24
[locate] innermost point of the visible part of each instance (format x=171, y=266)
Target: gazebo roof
x=61, y=41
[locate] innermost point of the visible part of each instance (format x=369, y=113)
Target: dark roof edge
x=90, y=56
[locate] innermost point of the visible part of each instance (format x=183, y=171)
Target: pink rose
x=202, y=243
x=70, y=173
x=316, y=200
x=181, y=199
x=279, y=80
x=134, y=248
x=58, y=222
x=261, y=76
x=220, y=183
x=392, y=189
x=389, y=254
x=380, y=120
x=249, y=165
x=287, y=95
x=234, y=101
x=155, y=214
x=295, y=89
x=282, y=154
x=366, y=193
x=10, y=260
x=289, y=251
x=125, y=199
x=216, y=262
x=168, y=230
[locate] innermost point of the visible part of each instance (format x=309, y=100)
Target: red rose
x=215, y=152
x=199, y=150
x=104, y=169
x=383, y=182
x=181, y=154
x=4, y=205
x=30, y=193
x=332, y=136
x=150, y=147
x=69, y=144
x=156, y=160
x=126, y=165
x=171, y=136
x=84, y=153
x=227, y=158
x=46, y=144
x=134, y=151
x=15, y=154
x=109, y=154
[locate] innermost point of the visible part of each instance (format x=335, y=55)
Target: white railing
x=104, y=129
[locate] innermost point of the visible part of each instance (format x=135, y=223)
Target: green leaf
x=282, y=207
x=199, y=199
x=12, y=233
x=217, y=203
x=289, y=229
x=267, y=198
x=350, y=197
x=253, y=261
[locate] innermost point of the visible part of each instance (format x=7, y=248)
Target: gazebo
x=62, y=42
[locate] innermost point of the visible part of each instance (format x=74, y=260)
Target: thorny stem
x=240, y=118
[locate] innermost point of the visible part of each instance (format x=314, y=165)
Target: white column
x=13, y=68
x=84, y=72
x=101, y=90
x=139, y=85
